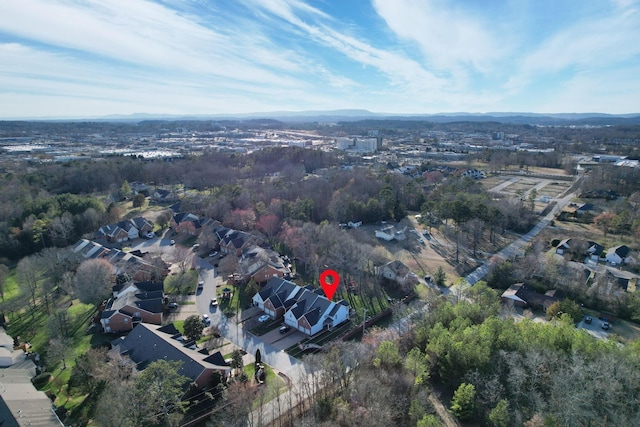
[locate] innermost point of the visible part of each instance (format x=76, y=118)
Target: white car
x=214, y=301
x=214, y=253
x=206, y=319
x=263, y=318
x=150, y=235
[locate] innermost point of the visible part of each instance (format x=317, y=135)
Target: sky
x=77, y=59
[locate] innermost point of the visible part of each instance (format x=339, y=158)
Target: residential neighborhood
x=218, y=288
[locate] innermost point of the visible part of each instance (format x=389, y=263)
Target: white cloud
x=147, y=35
x=599, y=44
x=413, y=56
x=449, y=37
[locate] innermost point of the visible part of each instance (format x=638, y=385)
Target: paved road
x=516, y=247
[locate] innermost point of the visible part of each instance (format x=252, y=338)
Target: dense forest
x=56, y=204
x=497, y=372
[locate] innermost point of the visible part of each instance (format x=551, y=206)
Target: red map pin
x=329, y=288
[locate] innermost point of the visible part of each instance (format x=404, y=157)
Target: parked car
x=588, y=320
x=214, y=253
x=195, y=247
x=172, y=242
x=206, y=320
x=214, y=301
x=606, y=326
x=172, y=305
x=150, y=235
x=200, y=285
x=284, y=329
x=263, y=318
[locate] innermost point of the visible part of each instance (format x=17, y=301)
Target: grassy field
x=188, y=284
x=11, y=288
x=627, y=331
x=33, y=325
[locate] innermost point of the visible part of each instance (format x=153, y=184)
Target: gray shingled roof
x=147, y=343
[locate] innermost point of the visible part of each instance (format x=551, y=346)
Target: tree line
x=487, y=367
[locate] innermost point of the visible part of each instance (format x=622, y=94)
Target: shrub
x=41, y=379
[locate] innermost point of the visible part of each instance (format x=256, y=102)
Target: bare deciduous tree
x=4, y=271
x=28, y=274
x=58, y=350
x=182, y=257
x=93, y=281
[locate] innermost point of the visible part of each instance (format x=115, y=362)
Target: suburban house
x=575, y=210
x=143, y=225
x=313, y=313
x=124, y=263
x=587, y=248
x=304, y=309
x=473, y=173
x=21, y=404
x=619, y=281
x=563, y=247
x=595, y=251
x=234, y=241
x=89, y=249
x=161, y=195
x=519, y=295
x=184, y=222
x=398, y=272
x=132, y=304
x=619, y=255
x=125, y=230
x=139, y=187
x=276, y=297
x=147, y=343
x=260, y=265
x=390, y=233
x=8, y=354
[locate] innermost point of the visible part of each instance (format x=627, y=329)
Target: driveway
x=283, y=341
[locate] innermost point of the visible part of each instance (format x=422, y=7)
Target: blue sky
x=92, y=58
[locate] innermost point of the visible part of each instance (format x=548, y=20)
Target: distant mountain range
x=560, y=119
x=596, y=119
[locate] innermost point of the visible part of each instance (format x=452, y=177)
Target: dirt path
x=448, y=419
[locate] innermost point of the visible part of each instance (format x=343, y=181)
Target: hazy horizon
x=70, y=60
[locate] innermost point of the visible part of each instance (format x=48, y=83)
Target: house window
x=136, y=314
x=106, y=321
x=126, y=320
x=107, y=329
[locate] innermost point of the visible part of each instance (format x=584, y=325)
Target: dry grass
x=627, y=331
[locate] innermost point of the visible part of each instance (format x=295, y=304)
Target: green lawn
x=179, y=324
x=188, y=286
x=33, y=326
x=11, y=288
x=263, y=328
x=240, y=298
x=272, y=387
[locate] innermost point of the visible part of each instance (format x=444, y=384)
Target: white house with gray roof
x=305, y=309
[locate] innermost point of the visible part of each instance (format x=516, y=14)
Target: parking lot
x=595, y=327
